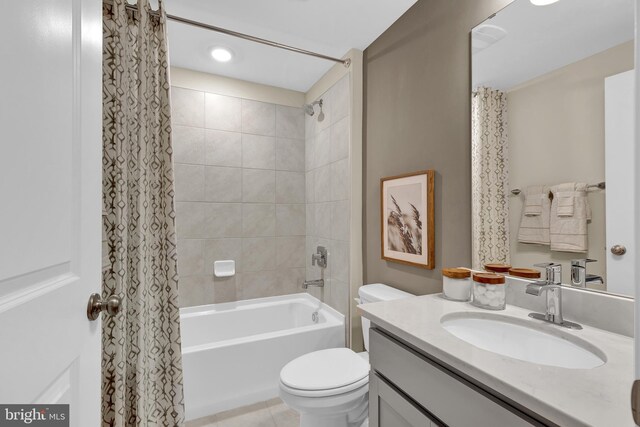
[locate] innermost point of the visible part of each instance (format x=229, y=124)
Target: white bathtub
x=232, y=353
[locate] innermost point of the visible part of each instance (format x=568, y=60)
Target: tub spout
x=319, y=283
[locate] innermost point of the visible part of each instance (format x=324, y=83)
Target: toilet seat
x=325, y=373
x=364, y=382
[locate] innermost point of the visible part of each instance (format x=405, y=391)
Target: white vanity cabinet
x=409, y=388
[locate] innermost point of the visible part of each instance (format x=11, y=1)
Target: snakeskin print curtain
x=142, y=361
x=490, y=177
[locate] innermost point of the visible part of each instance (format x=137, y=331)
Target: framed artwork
x=407, y=219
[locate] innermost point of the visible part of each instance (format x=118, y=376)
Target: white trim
x=636, y=206
x=87, y=259
x=354, y=336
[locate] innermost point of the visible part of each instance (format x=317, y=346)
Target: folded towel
x=533, y=200
x=534, y=223
x=565, y=196
x=570, y=212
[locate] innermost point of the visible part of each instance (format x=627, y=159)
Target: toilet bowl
x=330, y=388
x=327, y=388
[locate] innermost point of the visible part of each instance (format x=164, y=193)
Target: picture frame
x=407, y=219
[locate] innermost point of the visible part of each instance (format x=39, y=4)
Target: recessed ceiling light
x=221, y=54
x=543, y=2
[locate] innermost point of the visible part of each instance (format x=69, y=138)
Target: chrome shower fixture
x=308, y=109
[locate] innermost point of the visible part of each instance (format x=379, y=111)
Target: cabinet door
x=389, y=408
x=432, y=387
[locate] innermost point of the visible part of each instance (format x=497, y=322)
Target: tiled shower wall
x=328, y=184
x=240, y=195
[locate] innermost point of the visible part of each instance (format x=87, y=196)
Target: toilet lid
x=324, y=369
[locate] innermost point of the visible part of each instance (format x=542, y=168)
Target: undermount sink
x=522, y=339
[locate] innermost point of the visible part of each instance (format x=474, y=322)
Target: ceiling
x=330, y=27
x=541, y=39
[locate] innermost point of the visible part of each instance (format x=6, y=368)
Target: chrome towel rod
x=346, y=62
x=601, y=185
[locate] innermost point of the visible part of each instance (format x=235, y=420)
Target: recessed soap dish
x=224, y=268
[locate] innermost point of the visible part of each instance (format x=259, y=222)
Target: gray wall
x=416, y=116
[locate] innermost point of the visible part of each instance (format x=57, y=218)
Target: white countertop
x=567, y=397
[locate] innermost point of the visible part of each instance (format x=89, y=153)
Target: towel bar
x=600, y=185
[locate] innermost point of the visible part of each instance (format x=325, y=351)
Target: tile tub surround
x=328, y=184
x=567, y=397
x=263, y=184
x=240, y=194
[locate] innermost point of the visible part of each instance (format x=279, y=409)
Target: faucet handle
x=546, y=264
x=553, y=270
x=320, y=257
x=582, y=262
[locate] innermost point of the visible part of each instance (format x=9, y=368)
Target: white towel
x=533, y=200
x=534, y=223
x=565, y=196
x=570, y=212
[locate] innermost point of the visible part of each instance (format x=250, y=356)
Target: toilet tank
x=374, y=293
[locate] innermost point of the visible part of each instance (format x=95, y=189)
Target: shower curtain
x=490, y=177
x=141, y=359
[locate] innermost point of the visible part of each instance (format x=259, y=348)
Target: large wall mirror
x=552, y=139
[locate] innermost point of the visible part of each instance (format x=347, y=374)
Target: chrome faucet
x=319, y=283
x=319, y=258
x=579, y=276
x=552, y=287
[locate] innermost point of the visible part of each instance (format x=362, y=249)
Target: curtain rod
x=345, y=62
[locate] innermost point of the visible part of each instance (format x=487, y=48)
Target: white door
x=50, y=203
x=620, y=179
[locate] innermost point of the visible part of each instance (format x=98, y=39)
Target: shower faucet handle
x=320, y=257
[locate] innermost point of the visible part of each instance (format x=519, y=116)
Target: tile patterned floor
x=272, y=413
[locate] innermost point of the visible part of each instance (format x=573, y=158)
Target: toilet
x=330, y=388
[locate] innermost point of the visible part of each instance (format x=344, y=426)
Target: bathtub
x=232, y=353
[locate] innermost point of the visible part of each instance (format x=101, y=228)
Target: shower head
x=308, y=109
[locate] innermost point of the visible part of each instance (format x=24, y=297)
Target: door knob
x=618, y=250
x=97, y=305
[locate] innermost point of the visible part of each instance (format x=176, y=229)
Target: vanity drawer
x=433, y=387
x=389, y=407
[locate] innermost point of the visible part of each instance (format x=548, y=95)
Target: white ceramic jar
x=456, y=284
x=489, y=291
